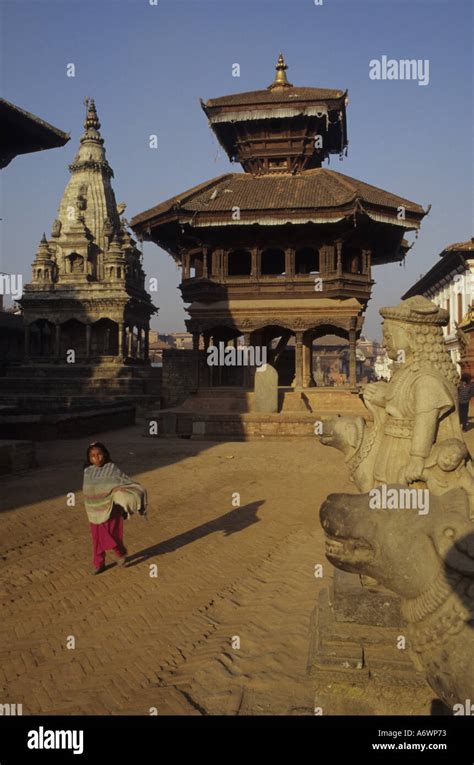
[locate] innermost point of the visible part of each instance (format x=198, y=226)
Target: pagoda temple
x=285, y=248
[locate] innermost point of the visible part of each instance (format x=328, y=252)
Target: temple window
x=351, y=259
x=239, y=263
x=277, y=164
x=76, y=263
x=306, y=261
x=273, y=262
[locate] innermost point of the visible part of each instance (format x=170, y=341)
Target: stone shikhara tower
x=88, y=292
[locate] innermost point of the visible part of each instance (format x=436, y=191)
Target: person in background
x=465, y=393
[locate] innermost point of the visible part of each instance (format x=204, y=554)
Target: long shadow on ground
x=236, y=520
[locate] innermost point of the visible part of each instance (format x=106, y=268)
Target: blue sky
x=147, y=66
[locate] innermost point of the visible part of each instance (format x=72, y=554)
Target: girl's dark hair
x=97, y=445
x=466, y=377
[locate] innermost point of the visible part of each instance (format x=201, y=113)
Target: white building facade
x=450, y=284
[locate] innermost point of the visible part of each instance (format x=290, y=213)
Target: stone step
x=64, y=386
x=88, y=371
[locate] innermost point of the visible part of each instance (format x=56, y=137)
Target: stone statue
x=413, y=413
x=435, y=580
x=56, y=228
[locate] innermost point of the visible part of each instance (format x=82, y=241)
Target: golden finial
x=92, y=121
x=280, y=80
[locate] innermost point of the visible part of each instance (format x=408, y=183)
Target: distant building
x=158, y=344
x=449, y=284
x=182, y=340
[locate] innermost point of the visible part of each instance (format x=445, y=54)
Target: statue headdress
x=416, y=310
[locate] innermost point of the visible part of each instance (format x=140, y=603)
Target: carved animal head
x=400, y=548
x=343, y=433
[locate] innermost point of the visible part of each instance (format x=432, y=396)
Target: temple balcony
x=325, y=284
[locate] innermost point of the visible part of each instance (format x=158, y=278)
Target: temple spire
x=280, y=80
x=92, y=120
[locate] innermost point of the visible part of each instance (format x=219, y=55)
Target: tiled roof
x=459, y=247
x=452, y=258
x=317, y=189
x=279, y=95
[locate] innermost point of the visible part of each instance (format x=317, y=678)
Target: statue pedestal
x=353, y=657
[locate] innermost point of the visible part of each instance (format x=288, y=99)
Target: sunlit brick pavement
x=224, y=574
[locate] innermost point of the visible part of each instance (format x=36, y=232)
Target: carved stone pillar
x=299, y=360
x=308, y=381
x=120, y=339
x=130, y=341
x=247, y=376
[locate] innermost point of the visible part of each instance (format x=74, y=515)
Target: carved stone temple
x=284, y=249
x=86, y=311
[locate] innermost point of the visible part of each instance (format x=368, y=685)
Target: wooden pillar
x=368, y=263
x=186, y=266
x=352, y=358
x=147, y=344
x=299, y=360
x=57, y=341
x=88, y=340
x=139, y=343
x=215, y=263
x=253, y=269
x=290, y=261
x=258, y=262
x=130, y=341
x=205, y=251
x=225, y=264
x=339, y=258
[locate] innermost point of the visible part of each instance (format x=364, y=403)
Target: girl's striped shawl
x=99, y=486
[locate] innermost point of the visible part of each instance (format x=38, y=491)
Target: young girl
x=109, y=497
